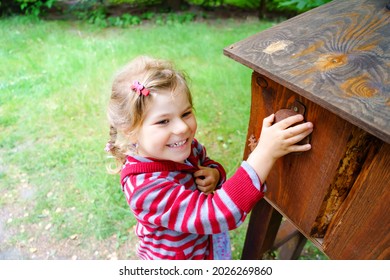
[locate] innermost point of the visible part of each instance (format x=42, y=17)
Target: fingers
x=299, y=131
x=292, y=135
x=207, y=175
x=299, y=148
x=200, y=173
x=201, y=178
x=207, y=189
x=203, y=181
x=287, y=122
x=268, y=121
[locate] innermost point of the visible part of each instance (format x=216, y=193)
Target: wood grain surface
x=360, y=229
x=337, y=55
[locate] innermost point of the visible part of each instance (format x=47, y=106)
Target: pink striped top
x=174, y=219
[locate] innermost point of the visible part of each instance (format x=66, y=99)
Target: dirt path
x=20, y=241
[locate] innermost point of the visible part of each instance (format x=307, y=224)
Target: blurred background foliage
x=133, y=12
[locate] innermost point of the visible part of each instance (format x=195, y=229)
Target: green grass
x=55, y=80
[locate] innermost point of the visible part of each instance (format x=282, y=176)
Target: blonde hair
x=126, y=108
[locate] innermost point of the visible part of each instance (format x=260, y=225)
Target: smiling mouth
x=177, y=144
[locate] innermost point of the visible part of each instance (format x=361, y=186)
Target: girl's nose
x=180, y=127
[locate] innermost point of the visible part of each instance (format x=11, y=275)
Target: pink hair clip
x=139, y=88
x=108, y=147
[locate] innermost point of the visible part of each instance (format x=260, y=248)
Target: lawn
x=55, y=79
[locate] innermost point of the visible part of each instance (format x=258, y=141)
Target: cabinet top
x=336, y=55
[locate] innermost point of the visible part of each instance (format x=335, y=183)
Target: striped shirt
x=174, y=219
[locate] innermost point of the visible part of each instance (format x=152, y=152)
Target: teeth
x=178, y=144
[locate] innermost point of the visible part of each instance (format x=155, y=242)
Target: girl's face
x=168, y=128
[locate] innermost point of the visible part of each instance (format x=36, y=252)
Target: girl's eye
x=186, y=114
x=163, y=122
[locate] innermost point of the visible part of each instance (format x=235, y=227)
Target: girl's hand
x=206, y=179
x=277, y=140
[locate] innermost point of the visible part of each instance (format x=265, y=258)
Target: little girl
x=181, y=199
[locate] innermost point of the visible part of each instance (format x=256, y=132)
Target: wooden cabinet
x=332, y=64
